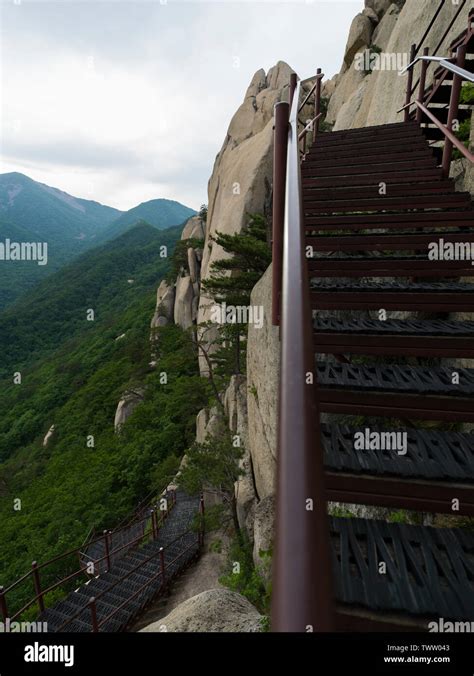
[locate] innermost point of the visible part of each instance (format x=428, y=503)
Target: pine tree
x=231, y=282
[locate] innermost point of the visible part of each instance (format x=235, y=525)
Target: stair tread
x=429, y=571
x=430, y=455
x=389, y=286
x=405, y=327
x=393, y=378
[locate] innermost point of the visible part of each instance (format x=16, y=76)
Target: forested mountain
x=34, y=212
x=160, y=213
x=73, y=373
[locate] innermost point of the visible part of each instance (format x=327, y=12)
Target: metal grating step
x=429, y=571
x=407, y=327
x=390, y=378
x=429, y=455
x=391, y=286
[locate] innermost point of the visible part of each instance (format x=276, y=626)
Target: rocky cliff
x=358, y=97
x=240, y=184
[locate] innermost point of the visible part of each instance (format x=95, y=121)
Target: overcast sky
x=122, y=102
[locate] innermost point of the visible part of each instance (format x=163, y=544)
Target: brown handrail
x=449, y=134
x=124, y=577
x=34, y=572
x=302, y=574
x=459, y=74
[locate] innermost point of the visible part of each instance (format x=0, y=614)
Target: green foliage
x=213, y=464
x=231, y=281
x=373, y=49
x=203, y=213
x=75, y=381
x=467, y=93
x=464, y=135
x=248, y=580
x=179, y=259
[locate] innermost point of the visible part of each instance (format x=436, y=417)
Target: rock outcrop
x=241, y=179
x=263, y=358
x=215, y=610
x=360, y=98
x=127, y=404
x=48, y=435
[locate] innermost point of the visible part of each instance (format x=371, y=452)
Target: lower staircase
x=392, y=331
x=111, y=601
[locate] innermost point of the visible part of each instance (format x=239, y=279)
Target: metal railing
x=34, y=574
x=302, y=574
x=459, y=74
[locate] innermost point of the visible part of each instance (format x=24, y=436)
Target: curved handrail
x=34, y=572
x=302, y=552
x=445, y=63
x=124, y=577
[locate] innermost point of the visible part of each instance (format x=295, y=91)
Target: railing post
x=201, y=525
x=453, y=109
x=37, y=583
x=3, y=605
x=107, y=549
x=409, y=83
x=154, y=525
x=293, y=81
x=422, y=87
x=93, y=609
x=282, y=112
x=162, y=565
x=317, y=104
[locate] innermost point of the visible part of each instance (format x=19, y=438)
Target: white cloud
x=128, y=101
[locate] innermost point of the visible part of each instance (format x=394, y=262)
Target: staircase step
x=395, y=391
x=331, y=140
x=378, y=148
x=441, y=113
x=359, y=160
x=393, y=189
x=430, y=201
x=408, y=469
x=396, y=221
x=430, y=454
x=422, y=296
x=369, y=132
x=365, y=166
x=386, y=241
x=392, y=378
x=371, y=180
x=388, y=266
x=429, y=571
x=420, y=338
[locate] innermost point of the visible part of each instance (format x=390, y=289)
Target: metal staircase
x=372, y=329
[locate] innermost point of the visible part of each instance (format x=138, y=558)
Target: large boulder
x=215, y=610
x=194, y=229
x=360, y=35
x=263, y=369
x=401, y=24
x=379, y=7
x=235, y=405
x=263, y=534
x=241, y=179
x=183, y=305
x=127, y=404
x=165, y=297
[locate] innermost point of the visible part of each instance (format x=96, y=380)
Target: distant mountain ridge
x=35, y=212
